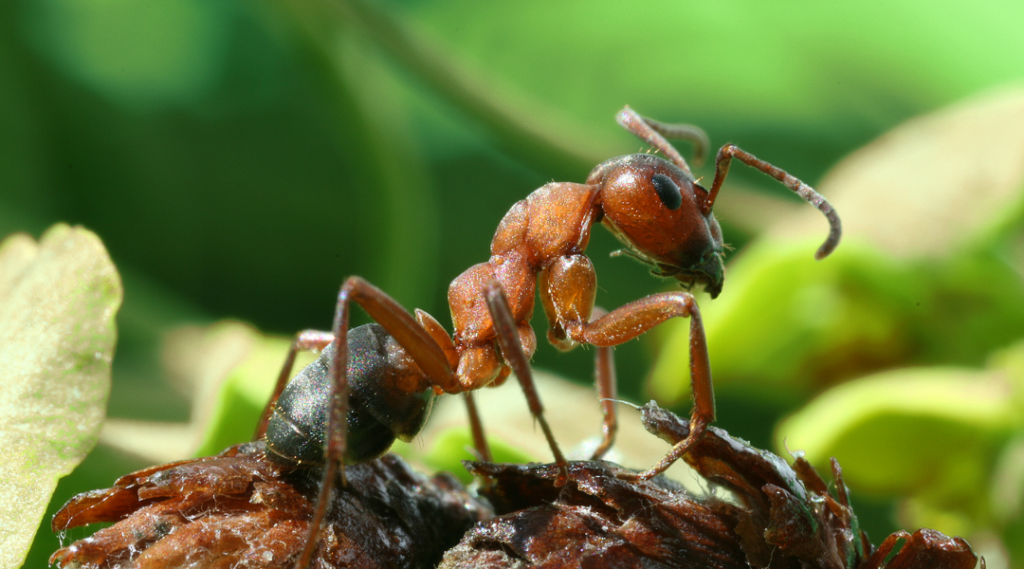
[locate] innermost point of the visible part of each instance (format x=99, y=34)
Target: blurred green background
x=239, y=159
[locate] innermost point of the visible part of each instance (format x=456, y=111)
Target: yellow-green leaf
x=58, y=299
x=932, y=432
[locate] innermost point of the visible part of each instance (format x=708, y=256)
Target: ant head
x=655, y=208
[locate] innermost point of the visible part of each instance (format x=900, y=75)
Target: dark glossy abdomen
x=378, y=410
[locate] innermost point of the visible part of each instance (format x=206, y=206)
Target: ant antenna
x=653, y=132
x=688, y=132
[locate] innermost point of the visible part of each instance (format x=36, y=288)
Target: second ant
x=380, y=381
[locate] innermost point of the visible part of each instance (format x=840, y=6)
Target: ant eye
x=668, y=191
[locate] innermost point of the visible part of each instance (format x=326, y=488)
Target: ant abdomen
x=380, y=409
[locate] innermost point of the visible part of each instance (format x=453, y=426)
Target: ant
x=378, y=381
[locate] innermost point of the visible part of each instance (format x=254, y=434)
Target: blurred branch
x=537, y=137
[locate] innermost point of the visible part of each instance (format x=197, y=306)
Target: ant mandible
x=654, y=206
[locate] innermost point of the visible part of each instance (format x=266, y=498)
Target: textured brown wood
x=239, y=509
x=782, y=516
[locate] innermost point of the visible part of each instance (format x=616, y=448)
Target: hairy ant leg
x=304, y=341
x=411, y=335
x=444, y=341
x=507, y=336
x=632, y=320
x=568, y=287
x=606, y=384
x=476, y=428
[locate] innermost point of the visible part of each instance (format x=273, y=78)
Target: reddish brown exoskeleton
x=654, y=206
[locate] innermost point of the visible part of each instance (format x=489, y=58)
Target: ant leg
x=477, y=428
x=605, y=383
x=304, y=341
x=730, y=151
x=627, y=322
x=567, y=287
x=410, y=335
x=512, y=351
x=448, y=347
x=479, y=440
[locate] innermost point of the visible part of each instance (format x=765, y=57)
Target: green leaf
x=1007, y=493
x=244, y=379
x=948, y=439
x=901, y=430
x=58, y=299
x=784, y=312
x=938, y=185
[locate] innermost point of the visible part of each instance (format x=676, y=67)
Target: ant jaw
x=689, y=280
x=713, y=289
x=709, y=272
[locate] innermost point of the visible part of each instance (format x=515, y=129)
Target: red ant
x=654, y=206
